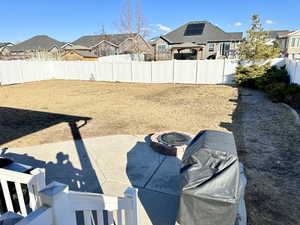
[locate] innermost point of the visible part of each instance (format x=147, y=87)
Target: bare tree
x=103, y=29
x=141, y=26
x=132, y=20
x=125, y=22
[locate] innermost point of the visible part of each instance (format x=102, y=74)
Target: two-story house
x=40, y=46
x=197, y=40
x=293, y=45
x=114, y=44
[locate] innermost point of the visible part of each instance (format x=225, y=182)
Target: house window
x=297, y=44
x=211, y=47
x=224, y=48
x=293, y=42
x=162, y=47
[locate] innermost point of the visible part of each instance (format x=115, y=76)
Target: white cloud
x=146, y=29
x=163, y=28
x=269, y=22
x=238, y=24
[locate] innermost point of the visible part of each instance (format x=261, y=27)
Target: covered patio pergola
x=187, y=51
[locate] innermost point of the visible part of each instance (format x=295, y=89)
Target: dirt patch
x=269, y=145
x=40, y=112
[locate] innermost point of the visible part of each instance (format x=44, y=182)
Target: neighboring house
x=162, y=50
x=4, y=48
x=114, y=44
x=275, y=35
x=288, y=42
x=86, y=55
x=293, y=45
x=197, y=40
x=278, y=38
x=40, y=46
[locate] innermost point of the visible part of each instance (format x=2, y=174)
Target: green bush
x=276, y=91
x=272, y=75
x=275, y=82
x=246, y=75
x=292, y=89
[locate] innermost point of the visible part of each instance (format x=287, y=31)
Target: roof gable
x=295, y=33
x=93, y=40
x=274, y=34
x=200, y=32
x=6, y=44
x=40, y=42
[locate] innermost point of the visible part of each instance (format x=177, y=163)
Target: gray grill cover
x=209, y=180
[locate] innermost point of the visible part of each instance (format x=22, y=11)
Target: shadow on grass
x=16, y=123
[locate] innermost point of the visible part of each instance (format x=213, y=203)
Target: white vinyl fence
x=293, y=68
x=175, y=71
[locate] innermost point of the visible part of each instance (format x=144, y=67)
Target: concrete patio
x=110, y=164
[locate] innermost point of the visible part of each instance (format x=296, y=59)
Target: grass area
x=114, y=108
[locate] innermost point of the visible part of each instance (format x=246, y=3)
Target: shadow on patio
x=157, y=178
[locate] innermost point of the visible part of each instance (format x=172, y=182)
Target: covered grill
x=210, y=180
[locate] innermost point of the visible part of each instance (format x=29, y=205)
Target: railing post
x=132, y=215
x=39, y=183
x=55, y=195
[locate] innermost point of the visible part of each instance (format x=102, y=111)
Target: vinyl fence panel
x=162, y=72
x=176, y=71
x=185, y=71
x=10, y=72
x=296, y=77
x=210, y=72
x=122, y=71
x=229, y=71
x=104, y=71
x=292, y=70
x=142, y=72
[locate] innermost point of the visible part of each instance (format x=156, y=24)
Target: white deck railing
x=60, y=206
x=35, y=181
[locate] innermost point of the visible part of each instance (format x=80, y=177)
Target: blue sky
x=66, y=20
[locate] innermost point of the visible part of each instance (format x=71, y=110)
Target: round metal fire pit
x=172, y=143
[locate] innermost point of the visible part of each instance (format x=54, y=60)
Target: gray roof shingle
x=274, y=34
x=2, y=44
x=210, y=33
x=40, y=42
x=92, y=40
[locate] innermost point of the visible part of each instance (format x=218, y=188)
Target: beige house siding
x=4, y=51
x=136, y=45
x=162, y=50
x=293, y=45
x=105, y=48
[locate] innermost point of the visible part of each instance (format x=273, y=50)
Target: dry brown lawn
x=114, y=108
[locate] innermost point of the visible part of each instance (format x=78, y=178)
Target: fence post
x=295, y=71
x=132, y=215
x=131, y=71
x=112, y=71
x=40, y=181
x=196, y=77
x=55, y=195
x=173, y=71
x=223, y=78
x=151, y=70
